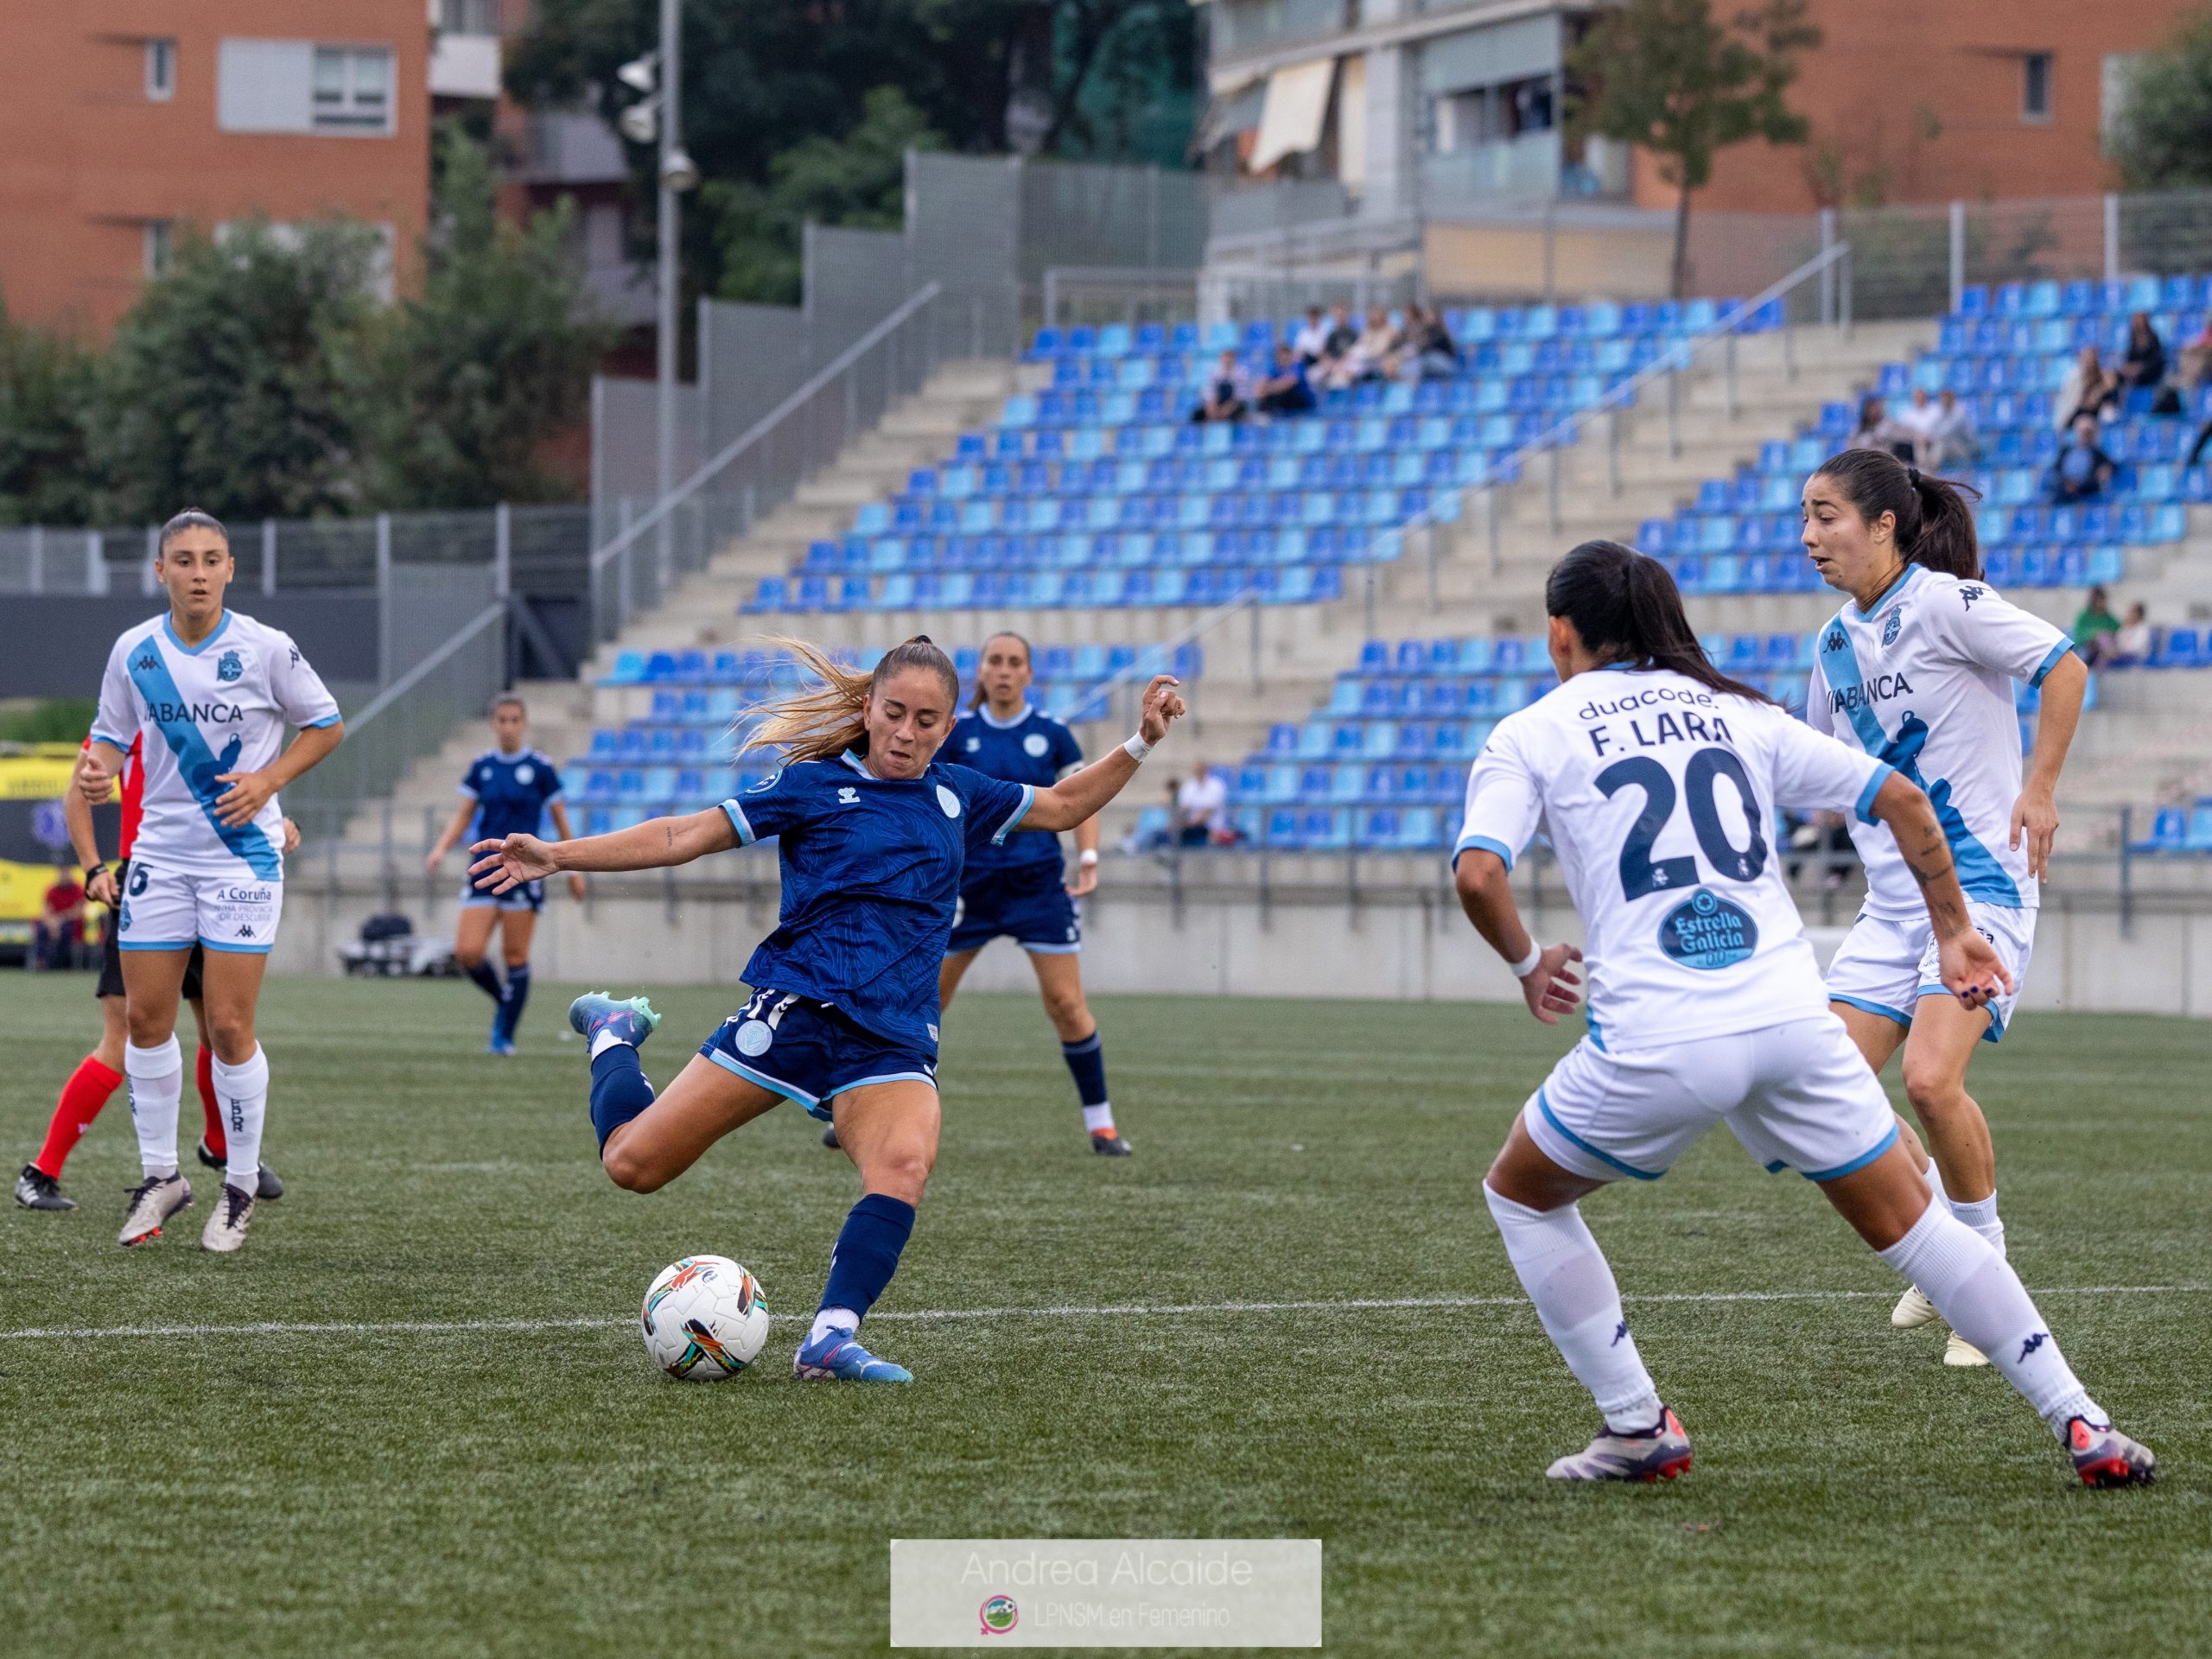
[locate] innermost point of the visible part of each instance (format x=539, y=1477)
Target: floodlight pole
x=671, y=85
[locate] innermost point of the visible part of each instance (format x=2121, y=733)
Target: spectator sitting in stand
x=1877, y=430
x=1202, y=809
x=1373, y=356
x=1228, y=395
x=2082, y=470
x=2135, y=642
x=1951, y=438
x=2087, y=390
x=1287, y=392
x=1430, y=351
x=2145, y=366
x=1342, y=337
x=2195, y=361
x=1916, y=419
x=2096, y=628
x=1312, y=340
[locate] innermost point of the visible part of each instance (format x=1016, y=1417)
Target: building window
x=468, y=17
x=161, y=70
x=353, y=89
x=158, y=242
x=2035, y=86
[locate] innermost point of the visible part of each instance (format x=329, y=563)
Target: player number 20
x=1639, y=875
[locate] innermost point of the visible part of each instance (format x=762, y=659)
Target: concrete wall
x=1411, y=947
x=55, y=646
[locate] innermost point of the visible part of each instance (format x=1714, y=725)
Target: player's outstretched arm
x=1081, y=794
x=504, y=865
x=1547, y=985
x=1971, y=969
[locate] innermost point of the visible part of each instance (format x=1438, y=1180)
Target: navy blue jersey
x=871, y=877
x=511, y=792
x=1033, y=749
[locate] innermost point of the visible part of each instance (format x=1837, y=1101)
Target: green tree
x=46, y=393
x=1666, y=75
x=2162, y=137
x=459, y=391
x=227, y=387
x=857, y=181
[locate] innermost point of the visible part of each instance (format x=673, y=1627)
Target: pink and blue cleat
x=2105, y=1457
x=1659, y=1453
x=838, y=1357
x=629, y=1021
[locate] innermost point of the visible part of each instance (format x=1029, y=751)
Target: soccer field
x=414, y=1415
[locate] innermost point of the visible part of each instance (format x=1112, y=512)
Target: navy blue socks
x=511, y=1001
x=620, y=1091
x=1087, y=1065
x=866, y=1254
x=486, y=978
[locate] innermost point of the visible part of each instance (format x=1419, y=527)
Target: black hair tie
x=1912, y=476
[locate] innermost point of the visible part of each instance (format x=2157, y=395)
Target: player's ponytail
x=825, y=721
x=1626, y=610
x=1933, y=518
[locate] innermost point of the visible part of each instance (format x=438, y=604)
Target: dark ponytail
x=1628, y=611
x=1934, y=524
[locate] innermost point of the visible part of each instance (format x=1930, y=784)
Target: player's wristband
x=1527, y=965
x=1087, y=857
x=1136, y=748
x=92, y=870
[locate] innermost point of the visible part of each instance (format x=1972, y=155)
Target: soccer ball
x=704, y=1319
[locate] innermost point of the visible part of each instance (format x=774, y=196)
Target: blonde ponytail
x=826, y=720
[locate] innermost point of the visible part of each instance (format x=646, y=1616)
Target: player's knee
x=516, y=959
x=633, y=1172
x=1070, y=1014
x=466, y=958
x=231, y=1034
x=903, y=1172
x=1934, y=1091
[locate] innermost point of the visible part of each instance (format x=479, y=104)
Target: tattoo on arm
x=1929, y=861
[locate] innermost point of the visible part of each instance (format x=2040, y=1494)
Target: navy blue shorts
x=809, y=1051
x=1031, y=907
x=528, y=895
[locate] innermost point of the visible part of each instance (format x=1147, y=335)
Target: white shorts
x=1799, y=1096
x=166, y=910
x=1886, y=967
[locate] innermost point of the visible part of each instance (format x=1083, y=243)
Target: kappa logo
x=230, y=668
x=245, y=933
x=1835, y=640
x=1890, y=628
x=1970, y=591
x=1618, y=1335
x=148, y=663
x=2032, y=1344
x=848, y=796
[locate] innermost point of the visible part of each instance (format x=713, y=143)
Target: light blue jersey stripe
x=199, y=766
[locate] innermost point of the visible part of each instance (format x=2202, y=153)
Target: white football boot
x=1913, y=1310
x=153, y=1201
x=1963, y=1354
x=225, y=1229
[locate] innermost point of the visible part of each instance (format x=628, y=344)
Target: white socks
x=242, y=1095
x=832, y=1319
x=1566, y=1275
x=1100, y=1118
x=156, y=1079
x=1981, y=1215
x=1976, y=1290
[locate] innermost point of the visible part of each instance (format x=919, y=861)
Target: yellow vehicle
x=33, y=840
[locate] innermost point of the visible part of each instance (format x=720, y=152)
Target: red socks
x=82, y=1096
x=205, y=1074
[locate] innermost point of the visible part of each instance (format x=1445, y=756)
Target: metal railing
x=1131, y=294
x=765, y=465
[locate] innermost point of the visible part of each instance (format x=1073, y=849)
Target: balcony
x=1532, y=167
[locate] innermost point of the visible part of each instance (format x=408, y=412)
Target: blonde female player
x=1917, y=671
x=1657, y=775
x=872, y=830
x=210, y=691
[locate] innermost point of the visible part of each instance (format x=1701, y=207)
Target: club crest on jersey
x=1034, y=746
x=1890, y=628
x=230, y=668
x=1707, y=933
x=524, y=772
x=949, y=801
x=848, y=796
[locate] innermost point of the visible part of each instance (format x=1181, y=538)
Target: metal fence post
x=1958, y=256
x=1729, y=350
x=267, y=556
x=1828, y=271
x=2112, y=236
x=147, y=585
x=1846, y=294
x=503, y=547
x=38, y=559
x=384, y=600
x=95, y=563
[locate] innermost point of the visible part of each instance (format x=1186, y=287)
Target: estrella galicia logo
x=138, y=880
x=2034, y=1343
x=230, y=668
x=1835, y=640
x=999, y=1615
x=1707, y=931
x=1890, y=628
x=1969, y=592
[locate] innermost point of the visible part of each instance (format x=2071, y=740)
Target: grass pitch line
x=1103, y=1310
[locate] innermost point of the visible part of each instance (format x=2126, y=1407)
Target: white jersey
x=1660, y=796
x=218, y=708
x=1923, y=679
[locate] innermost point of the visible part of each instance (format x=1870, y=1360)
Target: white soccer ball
x=704, y=1319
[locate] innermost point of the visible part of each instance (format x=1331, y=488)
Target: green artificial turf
x=540, y=1489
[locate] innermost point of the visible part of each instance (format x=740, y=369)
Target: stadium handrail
x=761, y=428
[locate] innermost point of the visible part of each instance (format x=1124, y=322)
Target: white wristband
x=1136, y=748
x=1527, y=965
x=1087, y=857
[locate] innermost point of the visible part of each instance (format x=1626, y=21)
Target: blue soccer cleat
x=499, y=1045
x=839, y=1357
x=631, y=1021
